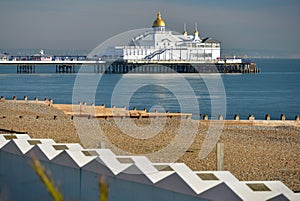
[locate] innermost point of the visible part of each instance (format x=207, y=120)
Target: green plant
x=46, y=179
x=54, y=191
x=103, y=187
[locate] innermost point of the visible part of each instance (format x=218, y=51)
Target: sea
x=274, y=91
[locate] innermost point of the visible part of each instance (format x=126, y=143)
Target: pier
x=157, y=50
x=142, y=66
x=59, y=66
x=179, y=67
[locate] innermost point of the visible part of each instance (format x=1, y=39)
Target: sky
x=263, y=25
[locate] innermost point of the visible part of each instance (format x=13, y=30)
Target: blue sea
x=274, y=91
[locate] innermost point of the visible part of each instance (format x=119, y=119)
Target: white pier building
x=161, y=44
x=156, y=50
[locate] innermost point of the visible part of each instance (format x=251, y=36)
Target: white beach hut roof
x=177, y=177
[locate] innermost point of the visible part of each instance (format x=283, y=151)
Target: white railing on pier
x=51, y=62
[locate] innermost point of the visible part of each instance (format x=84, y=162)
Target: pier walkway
x=58, y=62
x=143, y=66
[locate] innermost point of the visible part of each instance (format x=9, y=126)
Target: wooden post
x=282, y=117
x=251, y=117
x=102, y=145
x=220, y=156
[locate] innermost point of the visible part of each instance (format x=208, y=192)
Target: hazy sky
x=84, y=24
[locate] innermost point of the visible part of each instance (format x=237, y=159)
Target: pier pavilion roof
x=159, y=35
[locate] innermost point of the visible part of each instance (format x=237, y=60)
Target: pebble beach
x=251, y=152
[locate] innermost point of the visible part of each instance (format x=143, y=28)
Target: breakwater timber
x=253, y=149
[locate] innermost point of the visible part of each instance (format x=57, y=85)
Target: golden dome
x=159, y=22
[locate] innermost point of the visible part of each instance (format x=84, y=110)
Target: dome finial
x=196, y=37
x=158, y=15
x=184, y=30
x=196, y=29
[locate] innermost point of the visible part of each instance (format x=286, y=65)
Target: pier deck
x=123, y=67
x=79, y=62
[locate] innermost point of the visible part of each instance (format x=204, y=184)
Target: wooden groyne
x=92, y=111
x=82, y=109
x=25, y=99
x=251, y=121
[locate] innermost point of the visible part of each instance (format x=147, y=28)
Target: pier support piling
x=65, y=68
x=25, y=68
